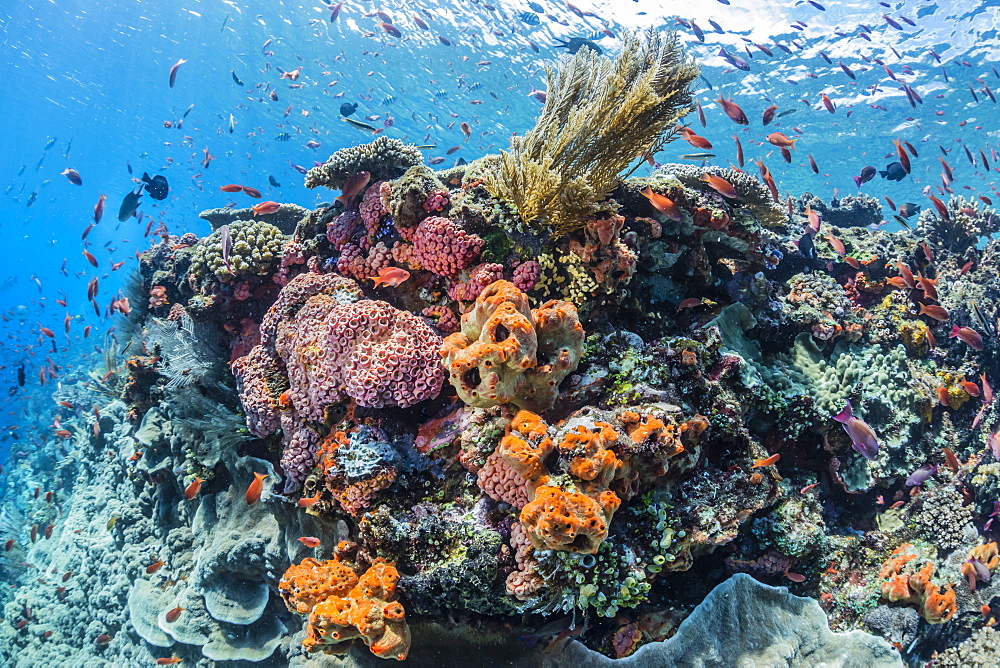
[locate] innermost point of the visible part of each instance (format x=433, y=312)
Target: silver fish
x=227, y=245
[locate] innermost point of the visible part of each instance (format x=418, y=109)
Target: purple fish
x=867, y=174
x=982, y=572
x=921, y=475
x=863, y=438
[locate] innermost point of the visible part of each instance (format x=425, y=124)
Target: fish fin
x=846, y=414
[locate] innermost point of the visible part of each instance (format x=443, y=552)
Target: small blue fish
x=530, y=18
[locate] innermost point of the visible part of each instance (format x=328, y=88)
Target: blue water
x=92, y=79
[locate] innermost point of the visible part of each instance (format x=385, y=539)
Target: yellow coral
x=600, y=114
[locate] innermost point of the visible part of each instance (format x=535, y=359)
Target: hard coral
x=441, y=246
x=507, y=353
x=339, y=614
x=383, y=158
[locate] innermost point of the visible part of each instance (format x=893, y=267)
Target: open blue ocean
x=492, y=333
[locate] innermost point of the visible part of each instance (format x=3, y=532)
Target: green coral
x=256, y=251
x=409, y=193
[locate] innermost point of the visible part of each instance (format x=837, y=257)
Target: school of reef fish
x=531, y=410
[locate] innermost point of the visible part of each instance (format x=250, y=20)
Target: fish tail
x=846, y=414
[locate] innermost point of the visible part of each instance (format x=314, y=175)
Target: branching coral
x=599, y=115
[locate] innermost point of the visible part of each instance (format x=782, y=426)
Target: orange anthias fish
x=781, y=140
x=353, y=186
x=155, y=566
x=390, y=276
x=251, y=192
x=695, y=140
x=307, y=501
x=773, y=459
x=255, y=488
x=309, y=541
x=721, y=186
x=168, y=661
x=265, y=208
x=836, y=244
x=193, y=489
x=663, y=204
x=231, y=188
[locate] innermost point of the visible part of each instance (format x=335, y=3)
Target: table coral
x=507, y=353
x=343, y=607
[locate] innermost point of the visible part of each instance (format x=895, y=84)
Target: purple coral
x=259, y=403
x=340, y=229
x=367, y=350
x=526, y=275
x=481, y=276
x=299, y=454
x=441, y=246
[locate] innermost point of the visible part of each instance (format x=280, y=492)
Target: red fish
x=310, y=541
x=390, y=276
x=969, y=335
x=47, y=332
x=836, y=244
x=769, y=114
x=773, y=459
x=721, y=186
x=354, y=185
x=90, y=258
x=174, y=614
x=696, y=140
x=265, y=208
x=255, y=488
x=904, y=157
x=307, y=501
x=390, y=29
x=934, y=311
x=173, y=71
x=663, y=204
x=252, y=192
x=155, y=566
x=828, y=103
x=739, y=151
x=733, y=110
x=193, y=489
x=231, y=188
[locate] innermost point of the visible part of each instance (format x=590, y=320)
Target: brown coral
x=508, y=353
x=337, y=616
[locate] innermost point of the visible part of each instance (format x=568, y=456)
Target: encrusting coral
x=903, y=581
x=599, y=115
